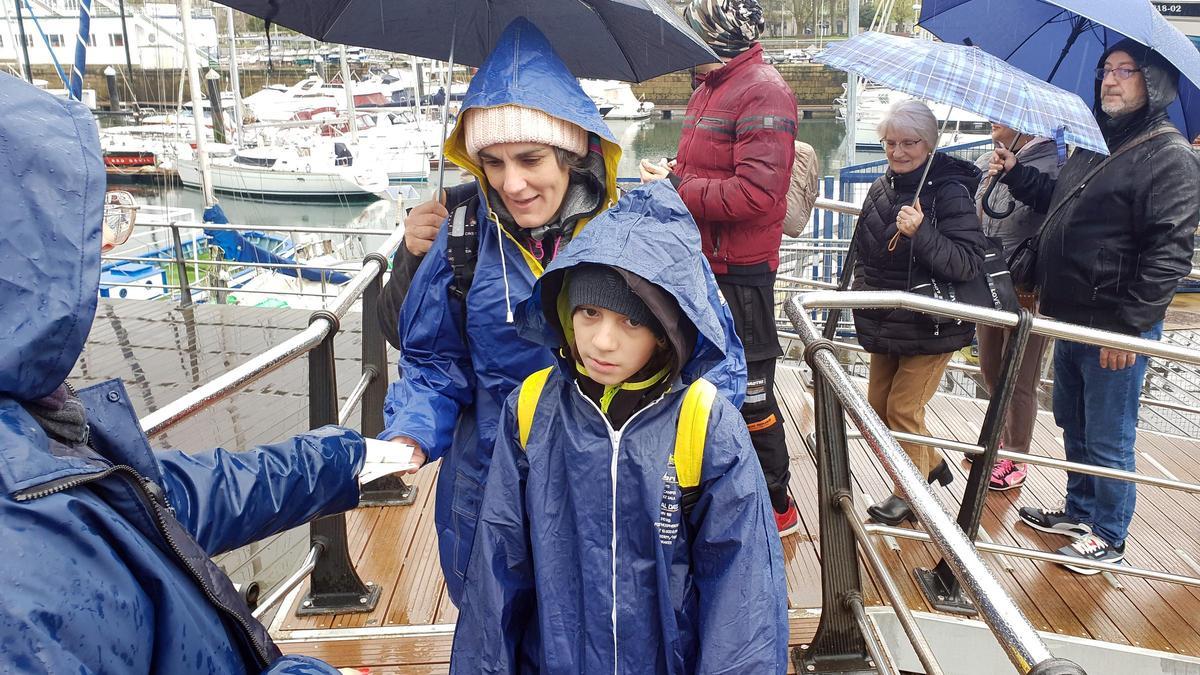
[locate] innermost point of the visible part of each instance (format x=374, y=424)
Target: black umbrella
x=630, y=40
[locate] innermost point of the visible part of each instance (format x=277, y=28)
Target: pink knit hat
x=517, y=124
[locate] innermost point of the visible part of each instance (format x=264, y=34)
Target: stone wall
x=814, y=85
x=161, y=87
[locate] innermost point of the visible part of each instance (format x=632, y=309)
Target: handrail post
x=839, y=645
x=388, y=490
x=939, y=585
x=185, y=289
x=336, y=587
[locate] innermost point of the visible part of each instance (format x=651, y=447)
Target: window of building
x=92, y=40
x=116, y=40
x=56, y=39
x=1, y=40
x=70, y=4
x=28, y=40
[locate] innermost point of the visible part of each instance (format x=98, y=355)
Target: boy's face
x=612, y=347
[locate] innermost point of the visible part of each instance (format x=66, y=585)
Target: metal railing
x=335, y=586
x=842, y=533
x=944, y=586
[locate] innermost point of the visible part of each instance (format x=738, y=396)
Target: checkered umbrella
x=971, y=79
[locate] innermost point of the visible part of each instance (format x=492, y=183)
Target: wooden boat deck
x=162, y=352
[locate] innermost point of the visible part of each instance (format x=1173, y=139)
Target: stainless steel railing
x=1012, y=629
x=234, y=380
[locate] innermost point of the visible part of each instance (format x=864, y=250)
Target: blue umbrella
x=971, y=79
x=1060, y=41
x=630, y=40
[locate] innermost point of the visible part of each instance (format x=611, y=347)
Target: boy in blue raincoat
x=593, y=553
x=546, y=164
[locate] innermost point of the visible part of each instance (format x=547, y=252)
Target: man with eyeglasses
x=1112, y=251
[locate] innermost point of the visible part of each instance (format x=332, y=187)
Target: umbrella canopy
x=630, y=40
x=971, y=79
x=1061, y=40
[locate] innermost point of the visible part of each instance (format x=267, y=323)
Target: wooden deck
x=163, y=352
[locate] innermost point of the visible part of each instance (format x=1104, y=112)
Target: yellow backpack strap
x=527, y=400
x=693, y=428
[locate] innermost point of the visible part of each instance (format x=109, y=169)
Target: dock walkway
x=162, y=352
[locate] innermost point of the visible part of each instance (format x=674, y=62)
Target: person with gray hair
x=902, y=241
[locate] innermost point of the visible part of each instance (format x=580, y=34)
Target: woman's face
x=529, y=179
x=905, y=152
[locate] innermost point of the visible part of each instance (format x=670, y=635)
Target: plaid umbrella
x=971, y=79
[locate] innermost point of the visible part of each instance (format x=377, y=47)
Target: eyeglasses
x=120, y=214
x=891, y=145
x=1120, y=73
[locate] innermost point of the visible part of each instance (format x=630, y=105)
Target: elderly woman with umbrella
x=545, y=164
x=902, y=238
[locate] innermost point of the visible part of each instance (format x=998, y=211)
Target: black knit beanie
x=603, y=287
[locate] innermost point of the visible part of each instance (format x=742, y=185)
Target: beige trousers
x=898, y=389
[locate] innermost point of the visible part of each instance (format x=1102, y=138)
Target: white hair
x=910, y=116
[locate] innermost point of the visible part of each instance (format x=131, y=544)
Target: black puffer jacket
x=1112, y=256
x=951, y=248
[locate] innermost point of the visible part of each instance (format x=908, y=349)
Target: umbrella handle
x=1012, y=205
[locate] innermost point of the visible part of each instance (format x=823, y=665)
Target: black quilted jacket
x=950, y=248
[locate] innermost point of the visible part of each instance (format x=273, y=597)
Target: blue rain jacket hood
x=91, y=582
x=626, y=580
x=458, y=366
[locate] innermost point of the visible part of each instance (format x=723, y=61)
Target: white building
x=155, y=34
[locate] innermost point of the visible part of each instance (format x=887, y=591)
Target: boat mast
x=234, y=81
x=193, y=68
x=349, y=95
x=81, y=45
x=125, y=43
x=24, y=43
x=852, y=87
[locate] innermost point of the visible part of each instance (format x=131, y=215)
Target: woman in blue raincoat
x=546, y=164
x=107, y=544
x=594, y=551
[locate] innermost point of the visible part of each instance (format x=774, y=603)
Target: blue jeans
x=1097, y=410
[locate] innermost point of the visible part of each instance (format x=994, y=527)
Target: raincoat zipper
x=151, y=490
x=614, y=436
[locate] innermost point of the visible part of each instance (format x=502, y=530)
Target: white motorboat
x=325, y=169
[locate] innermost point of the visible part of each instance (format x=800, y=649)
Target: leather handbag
x=992, y=288
x=1022, y=264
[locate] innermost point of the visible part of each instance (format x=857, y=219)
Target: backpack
x=690, y=431
x=802, y=189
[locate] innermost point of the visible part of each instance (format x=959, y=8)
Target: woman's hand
x=422, y=224
x=909, y=220
x=1002, y=160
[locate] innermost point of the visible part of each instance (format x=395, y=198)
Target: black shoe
x=891, y=511
x=941, y=474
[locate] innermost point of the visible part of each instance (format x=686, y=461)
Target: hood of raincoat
x=651, y=234
x=1162, y=87
x=524, y=70
x=52, y=187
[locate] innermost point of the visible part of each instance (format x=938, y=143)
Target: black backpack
x=462, y=250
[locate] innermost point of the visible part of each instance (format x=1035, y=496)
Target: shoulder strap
x=462, y=246
x=527, y=401
x=1088, y=177
x=692, y=430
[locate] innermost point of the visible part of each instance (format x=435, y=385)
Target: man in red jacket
x=732, y=170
